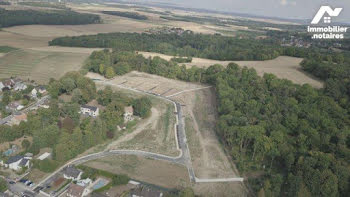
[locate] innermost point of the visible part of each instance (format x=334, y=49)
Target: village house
x=89, y=110
x=20, y=86
x=128, y=114
x=14, y=106
x=70, y=172
x=41, y=89
x=75, y=191
x=8, y=83
x=17, y=162
x=34, y=93
x=1, y=86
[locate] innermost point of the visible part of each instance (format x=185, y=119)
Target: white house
x=20, y=86
x=14, y=106
x=17, y=162
x=89, y=110
x=70, y=172
x=41, y=89
x=1, y=86
x=128, y=114
x=34, y=93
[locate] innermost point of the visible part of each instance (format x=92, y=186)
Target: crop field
x=283, y=67
x=40, y=65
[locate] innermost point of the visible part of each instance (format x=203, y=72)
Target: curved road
x=183, y=159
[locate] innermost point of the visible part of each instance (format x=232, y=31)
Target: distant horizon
x=297, y=10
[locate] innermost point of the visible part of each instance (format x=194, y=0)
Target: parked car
x=23, y=180
x=12, y=182
x=27, y=184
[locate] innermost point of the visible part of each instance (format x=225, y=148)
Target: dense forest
x=295, y=138
x=187, y=44
x=132, y=15
x=10, y=18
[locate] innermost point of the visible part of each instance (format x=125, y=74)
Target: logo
x=326, y=32
x=321, y=13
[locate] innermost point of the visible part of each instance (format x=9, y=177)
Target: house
x=20, y=86
x=75, y=191
x=34, y=93
x=41, y=89
x=89, y=110
x=17, y=119
x=1, y=86
x=70, y=172
x=14, y=106
x=84, y=182
x=17, y=162
x=128, y=114
x=143, y=191
x=8, y=83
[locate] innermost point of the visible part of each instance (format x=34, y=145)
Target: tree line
x=187, y=44
x=132, y=15
x=10, y=18
x=295, y=137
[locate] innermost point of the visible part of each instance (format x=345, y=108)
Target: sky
x=293, y=9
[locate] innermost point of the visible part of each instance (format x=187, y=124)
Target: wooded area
x=10, y=18
x=132, y=15
x=296, y=138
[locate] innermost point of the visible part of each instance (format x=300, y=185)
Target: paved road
x=32, y=106
x=183, y=159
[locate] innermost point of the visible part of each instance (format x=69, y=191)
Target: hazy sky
x=296, y=9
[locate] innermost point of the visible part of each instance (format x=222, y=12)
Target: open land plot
x=22, y=41
x=208, y=157
x=284, y=67
x=40, y=65
x=143, y=169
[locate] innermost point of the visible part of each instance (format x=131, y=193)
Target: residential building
x=75, y=191
x=20, y=86
x=17, y=162
x=34, y=93
x=14, y=106
x=70, y=172
x=1, y=86
x=89, y=110
x=9, y=83
x=128, y=114
x=41, y=89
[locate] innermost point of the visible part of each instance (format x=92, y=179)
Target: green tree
x=110, y=72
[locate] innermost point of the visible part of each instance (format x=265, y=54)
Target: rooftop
x=93, y=108
x=71, y=171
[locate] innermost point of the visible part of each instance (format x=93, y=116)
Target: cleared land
x=209, y=159
x=148, y=170
x=41, y=65
x=283, y=67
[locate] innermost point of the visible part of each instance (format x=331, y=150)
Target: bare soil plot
x=40, y=65
x=283, y=67
x=148, y=170
x=208, y=157
x=153, y=83
x=158, y=136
